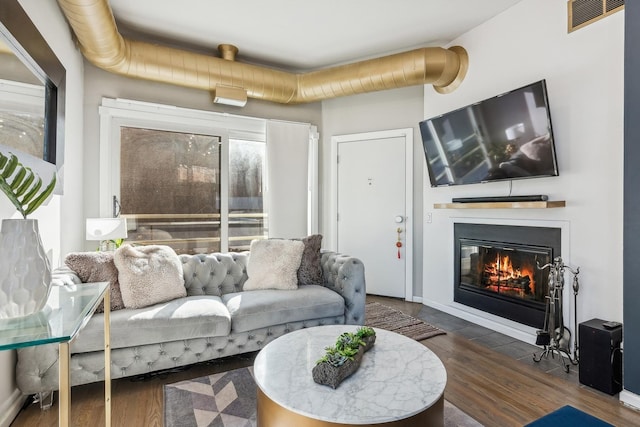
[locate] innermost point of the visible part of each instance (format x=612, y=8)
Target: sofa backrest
x=223, y=273
x=214, y=274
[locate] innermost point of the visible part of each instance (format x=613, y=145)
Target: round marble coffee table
x=400, y=382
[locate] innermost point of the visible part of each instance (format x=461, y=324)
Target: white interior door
x=373, y=205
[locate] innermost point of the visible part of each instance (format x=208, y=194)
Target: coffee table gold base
x=270, y=414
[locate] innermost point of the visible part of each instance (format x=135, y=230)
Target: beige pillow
x=273, y=264
x=97, y=267
x=149, y=275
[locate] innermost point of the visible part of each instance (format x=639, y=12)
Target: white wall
x=63, y=215
x=584, y=75
x=375, y=111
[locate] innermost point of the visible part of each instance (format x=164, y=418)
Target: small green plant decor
x=22, y=186
x=343, y=359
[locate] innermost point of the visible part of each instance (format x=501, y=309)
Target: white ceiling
x=302, y=35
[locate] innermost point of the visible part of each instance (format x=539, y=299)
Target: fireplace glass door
x=509, y=271
x=496, y=269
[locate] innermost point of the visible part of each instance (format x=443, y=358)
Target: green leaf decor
x=22, y=186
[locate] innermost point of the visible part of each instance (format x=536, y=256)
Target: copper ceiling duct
x=101, y=43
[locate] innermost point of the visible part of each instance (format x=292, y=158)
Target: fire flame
x=502, y=274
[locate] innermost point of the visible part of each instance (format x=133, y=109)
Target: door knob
x=399, y=219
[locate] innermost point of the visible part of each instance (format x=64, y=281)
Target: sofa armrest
x=344, y=274
x=64, y=276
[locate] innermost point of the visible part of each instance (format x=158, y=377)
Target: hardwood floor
x=495, y=389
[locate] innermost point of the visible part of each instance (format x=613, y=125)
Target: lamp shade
x=106, y=228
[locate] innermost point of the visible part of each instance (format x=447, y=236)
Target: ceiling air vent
x=584, y=12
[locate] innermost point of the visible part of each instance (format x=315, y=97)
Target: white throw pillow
x=273, y=264
x=149, y=275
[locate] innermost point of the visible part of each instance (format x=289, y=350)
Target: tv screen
x=505, y=137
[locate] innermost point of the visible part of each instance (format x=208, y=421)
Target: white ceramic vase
x=25, y=273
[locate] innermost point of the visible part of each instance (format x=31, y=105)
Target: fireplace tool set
x=554, y=336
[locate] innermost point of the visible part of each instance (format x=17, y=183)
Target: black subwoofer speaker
x=600, y=356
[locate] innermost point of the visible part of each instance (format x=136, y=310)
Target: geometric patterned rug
x=228, y=399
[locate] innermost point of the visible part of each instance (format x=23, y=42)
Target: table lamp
x=107, y=231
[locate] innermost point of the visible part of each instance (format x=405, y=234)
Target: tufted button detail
x=187, y=349
x=212, y=274
x=195, y=275
x=174, y=358
x=136, y=358
x=162, y=352
x=209, y=344
x=269, y=333
x=250, y=337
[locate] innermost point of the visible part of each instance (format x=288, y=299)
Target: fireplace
x=496, y=269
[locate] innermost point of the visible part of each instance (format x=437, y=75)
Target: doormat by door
x=384, y=317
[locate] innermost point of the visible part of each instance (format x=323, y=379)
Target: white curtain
x=287, y=192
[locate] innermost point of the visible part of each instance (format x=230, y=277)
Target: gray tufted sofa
x=215, y=319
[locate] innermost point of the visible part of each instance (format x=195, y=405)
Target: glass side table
x=68, y=310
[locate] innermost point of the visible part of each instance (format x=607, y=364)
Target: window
x=170, y=190
x=196, y=180
x=246, y=201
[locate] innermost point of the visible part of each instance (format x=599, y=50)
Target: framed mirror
x=32, y=93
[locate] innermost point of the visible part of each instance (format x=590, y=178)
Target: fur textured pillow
x=310, y=271
x=273, y=264
x=97, y=267
x=149, y=275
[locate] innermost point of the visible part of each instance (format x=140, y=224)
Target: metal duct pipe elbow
x=444, y=68
x=94, y=25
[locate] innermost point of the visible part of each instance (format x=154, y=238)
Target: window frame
x=118, y=113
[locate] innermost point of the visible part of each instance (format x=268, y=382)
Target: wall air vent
x=584, y=12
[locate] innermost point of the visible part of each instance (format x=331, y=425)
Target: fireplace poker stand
x=557, y=339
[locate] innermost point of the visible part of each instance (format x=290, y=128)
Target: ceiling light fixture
x=230, y=95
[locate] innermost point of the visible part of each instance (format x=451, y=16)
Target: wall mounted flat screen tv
x=505, y=137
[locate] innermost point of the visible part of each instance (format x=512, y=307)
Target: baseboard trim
x=630, y=399
x=9, y=410
x=504, y=326
x=417, y=299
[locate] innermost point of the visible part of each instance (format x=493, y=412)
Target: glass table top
x=67, y=310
